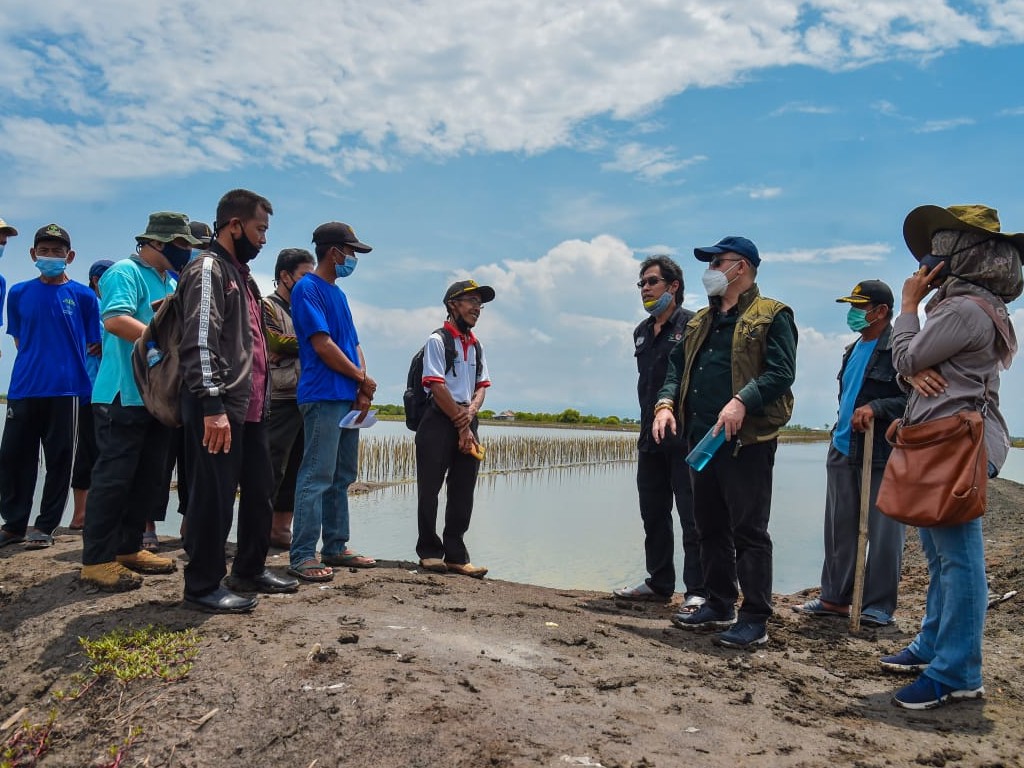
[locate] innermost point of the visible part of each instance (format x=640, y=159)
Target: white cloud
x=649, y=163
x=764, y=193
x=934, y=126
x=832, y=254
x=102, y=92
x=803, y=108
x=1012, y=112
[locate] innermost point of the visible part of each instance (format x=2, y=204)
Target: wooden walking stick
x=862, y=531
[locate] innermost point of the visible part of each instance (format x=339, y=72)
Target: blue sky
x=542, y=147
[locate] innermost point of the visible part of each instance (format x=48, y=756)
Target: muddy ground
x=397, y=667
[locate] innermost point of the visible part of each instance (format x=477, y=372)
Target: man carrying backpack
x=446, y=438
x=131, y=444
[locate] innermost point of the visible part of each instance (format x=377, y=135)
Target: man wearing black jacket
x=662, y=473
x=224, y=400
x=868, y=392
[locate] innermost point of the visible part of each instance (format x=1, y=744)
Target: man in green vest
x=732, y=373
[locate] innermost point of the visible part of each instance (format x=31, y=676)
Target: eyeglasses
x=716, y=263
x=650, y=281
x=473, y=301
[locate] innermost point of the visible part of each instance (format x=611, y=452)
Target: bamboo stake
x=862, y=531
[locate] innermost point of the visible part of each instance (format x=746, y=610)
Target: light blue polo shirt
x=129, y=287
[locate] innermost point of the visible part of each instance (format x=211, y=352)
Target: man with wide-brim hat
x=131, y=445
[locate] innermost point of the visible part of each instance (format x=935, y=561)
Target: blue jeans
x=954, y=617
x=329, y=464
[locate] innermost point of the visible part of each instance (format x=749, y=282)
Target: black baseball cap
x=201, y=231
x=337, y=233
x=869, y=292
x=461, y=288
x=52, y=232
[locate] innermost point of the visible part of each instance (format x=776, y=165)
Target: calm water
x=580, y=527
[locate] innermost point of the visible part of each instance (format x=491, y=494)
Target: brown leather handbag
x=937, y=474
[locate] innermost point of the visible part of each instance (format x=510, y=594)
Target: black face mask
x=245, y=249
x=178, y=257
x=931, y=261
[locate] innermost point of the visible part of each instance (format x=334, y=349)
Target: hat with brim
x=339, y=233
x=741, y=246
x=868, y=292
x=462, y=287
x=166, y=226
x=923, y=222
x=7, y=229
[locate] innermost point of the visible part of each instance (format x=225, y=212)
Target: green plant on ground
x=29, y=742
x=118, y=752
x=130, y=654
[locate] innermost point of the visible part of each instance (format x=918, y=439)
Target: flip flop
x=817, y=608
x=348, y=559
x=303, y=571
x=6, y=537
x=873, y=617
x=36, y=539
x=150, y=541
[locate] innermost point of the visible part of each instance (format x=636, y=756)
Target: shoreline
x=396, y=667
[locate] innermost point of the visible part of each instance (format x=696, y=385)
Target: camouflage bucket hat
x=166, y=226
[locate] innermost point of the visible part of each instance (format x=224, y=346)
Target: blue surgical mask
x=50, y=266
x=346, y=269
x=195, y=254
x=2, y=246
x=660, y=304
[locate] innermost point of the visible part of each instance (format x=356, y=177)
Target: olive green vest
x=749, y=342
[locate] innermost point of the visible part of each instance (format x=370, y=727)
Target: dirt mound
x=396, y=667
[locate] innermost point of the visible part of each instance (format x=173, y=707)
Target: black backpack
x=160, y=384
x=415, y=399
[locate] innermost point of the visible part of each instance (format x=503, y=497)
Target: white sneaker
x=641, y=591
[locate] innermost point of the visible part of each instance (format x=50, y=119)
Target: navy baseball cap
x=99, y=267
x=731, y=244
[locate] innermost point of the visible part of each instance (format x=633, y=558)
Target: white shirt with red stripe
x=459, y=379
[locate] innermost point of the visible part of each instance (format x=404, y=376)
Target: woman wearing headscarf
x=953, y=365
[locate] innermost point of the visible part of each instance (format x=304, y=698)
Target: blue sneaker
x=925, y=693
x=704, y=617
x=744, y=635
x=904, y=661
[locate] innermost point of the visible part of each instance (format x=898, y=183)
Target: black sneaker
x=704, y=617
x=744, y=635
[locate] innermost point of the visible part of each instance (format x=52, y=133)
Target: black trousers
x=53, y=422
x=285, y=435
x=85, y=450
x=175, y=458
x=126, y=480
x=732, y=499
x=440, y=462
x=212, y=482
x=663, y=477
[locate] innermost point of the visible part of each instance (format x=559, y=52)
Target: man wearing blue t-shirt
x=332, y=382
x=53, y=320
x=6, y=231
x=131, y=444
x=868, y=392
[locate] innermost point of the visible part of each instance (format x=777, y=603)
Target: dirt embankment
x=415, y=669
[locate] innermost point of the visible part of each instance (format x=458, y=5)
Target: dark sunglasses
x=651, y=281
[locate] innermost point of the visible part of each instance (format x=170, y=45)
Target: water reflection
x=580, y=527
